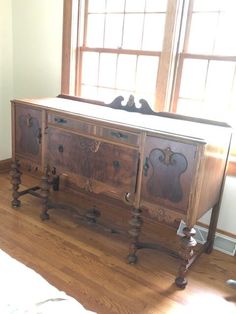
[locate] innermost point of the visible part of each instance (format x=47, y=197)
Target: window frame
x=170, y=59
x=71, y=56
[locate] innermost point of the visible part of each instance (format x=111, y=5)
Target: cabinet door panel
x=107, y=163
x=168, y=172
x=28, y=132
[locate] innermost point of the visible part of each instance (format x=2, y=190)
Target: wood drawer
x=117, y=135
x=69, y=123
x=110, y=164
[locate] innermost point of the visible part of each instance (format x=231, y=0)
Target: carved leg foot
x=45, y=195
x=186, y=252
x=55, y=180
x=16, y=181
x=44, y=215
x=136, y=224
x=212, y=228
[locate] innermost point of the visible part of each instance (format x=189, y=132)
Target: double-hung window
x=179, y=55
x=119, y=47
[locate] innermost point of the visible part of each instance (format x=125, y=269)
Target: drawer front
x=69, y=123
x=113, y=165
x=118, y=135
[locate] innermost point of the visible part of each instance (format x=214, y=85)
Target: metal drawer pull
x=29, y=120
x=39, y=135
x=146, y=167
x=119, y=135
x=60, y=120
x=60, y=148
x=116, y=164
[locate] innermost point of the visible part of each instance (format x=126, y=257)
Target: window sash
x=171, y=58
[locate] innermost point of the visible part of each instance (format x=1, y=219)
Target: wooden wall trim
x=66, y=46
x=221, y=231
x=5, y=165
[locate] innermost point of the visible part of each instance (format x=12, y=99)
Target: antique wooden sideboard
x=170, y=166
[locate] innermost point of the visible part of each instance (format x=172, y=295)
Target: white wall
x=227, y=218
x=6, y=77
x=30, y=56
x=37, y=42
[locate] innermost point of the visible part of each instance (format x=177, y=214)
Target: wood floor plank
x=90, y=264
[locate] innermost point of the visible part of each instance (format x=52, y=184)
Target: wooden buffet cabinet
x=168, y=166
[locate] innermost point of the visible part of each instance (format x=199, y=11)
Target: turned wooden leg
x=186, y=252
x=136, y=224
x=212, y=228
x=55, y=180
x=16, y=181
x=45, y=195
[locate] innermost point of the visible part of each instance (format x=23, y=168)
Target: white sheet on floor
x=23, y=291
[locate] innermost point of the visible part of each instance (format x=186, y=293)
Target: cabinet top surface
x=195, y=131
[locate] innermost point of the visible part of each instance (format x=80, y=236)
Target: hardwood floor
x=89, y=264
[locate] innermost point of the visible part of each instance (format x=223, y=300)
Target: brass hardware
x=60, y=148
x=90, y=145
x=39, y=136
x=119, y=135
x=129, y=197
x=146, y=167
x=116, y=164
x=60, y=120
x=29, y=120
x=167, y=159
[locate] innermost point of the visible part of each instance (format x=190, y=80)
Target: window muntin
x=121, y=32
x=205, y=85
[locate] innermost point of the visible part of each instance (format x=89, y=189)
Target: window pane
x=202, y=33
x=126, y=72
x=219, y=84
x=193, y=78
x=95, y=30
x=113, y=31
x=232, y=109
x=106, y=94
x=115, y=6
x=133, y=29
x=225, y=44
x=107, y=69
x=207, y=5
x=149, y=97
x=96, y=6
x=153, y=32
x=156, y=6
x=89, y=92
x=233, y=95
x=146, y=74
x=90, y=68
x=135, y=5
x=191, y=107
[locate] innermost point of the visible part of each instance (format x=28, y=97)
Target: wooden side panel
x=213, y=172
x=169, y=169
x=28, y=132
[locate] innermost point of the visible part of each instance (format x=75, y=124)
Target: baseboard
x=5, y=165
x=222, y=242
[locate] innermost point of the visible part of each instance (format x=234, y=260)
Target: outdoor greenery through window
x=179, y=55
